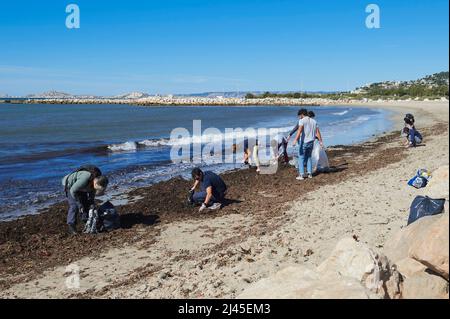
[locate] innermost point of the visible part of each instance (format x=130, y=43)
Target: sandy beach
x=168, y=250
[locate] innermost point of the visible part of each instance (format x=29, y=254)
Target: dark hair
x=196, y=172
x=102, y=181
x=311, y=114
x=409, y=121
x=303, y=112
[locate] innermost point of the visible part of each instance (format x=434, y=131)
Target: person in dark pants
x=81, y=189
x=212, y=189
x=413, y=137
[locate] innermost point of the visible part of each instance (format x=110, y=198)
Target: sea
x=40, y=143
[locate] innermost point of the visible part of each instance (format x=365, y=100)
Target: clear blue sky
x=182, y=46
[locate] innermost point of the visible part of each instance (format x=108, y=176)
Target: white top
x=309, y=129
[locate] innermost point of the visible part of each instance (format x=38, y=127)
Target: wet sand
x=167, y=249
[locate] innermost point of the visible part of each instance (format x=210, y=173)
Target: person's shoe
x=300, y=178
x=310, y=176
x=215, y=206
x=72, y=230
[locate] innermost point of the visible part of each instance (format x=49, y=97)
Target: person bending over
x=212, y=189
x=81, y=187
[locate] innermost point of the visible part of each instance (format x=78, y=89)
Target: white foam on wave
x=123, y=147
x=236, y=135
x=154, y=143
x=360, y=119
x=341, y=113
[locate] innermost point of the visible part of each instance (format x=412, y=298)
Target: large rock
x=438, y=187
x=303, y=283
x=409, y=267
x=352, y=271
x=425, y=286
x=397, y=247
x=433, y=249
x=356, y=260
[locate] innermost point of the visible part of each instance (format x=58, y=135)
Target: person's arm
x=295, y=129
x=319, y=136
x=195, y=185
x=299, y=133
x=209, y=194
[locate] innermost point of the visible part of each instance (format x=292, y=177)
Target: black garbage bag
x=109, y=217
x=425, y=206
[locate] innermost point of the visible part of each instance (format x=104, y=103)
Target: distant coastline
x=218, y=101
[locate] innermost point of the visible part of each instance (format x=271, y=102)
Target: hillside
x=435, y=85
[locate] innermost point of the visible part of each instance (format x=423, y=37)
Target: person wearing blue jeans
x=307, y=132
x=304, y=158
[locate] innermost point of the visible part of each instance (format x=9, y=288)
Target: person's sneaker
x=300, y=178
x=309, y=176
x=215, y=206
x=72, y=230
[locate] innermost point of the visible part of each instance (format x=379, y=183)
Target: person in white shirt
x=307, y=132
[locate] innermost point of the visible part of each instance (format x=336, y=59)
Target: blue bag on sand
x=421, y=179
x=418, y=182
x=425, y=206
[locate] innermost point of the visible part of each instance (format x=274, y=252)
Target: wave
x=134, y=146
x=218, y=137
x=360, y=119
x=341, y=113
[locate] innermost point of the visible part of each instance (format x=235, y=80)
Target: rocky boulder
x=424, y=285
x=352, y=271
x=433, y=250
x=438, y=187
x=397, y=246
x=297, y=282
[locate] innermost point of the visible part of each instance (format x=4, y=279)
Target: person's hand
x=202, y=208
x=294, y=144
x=321, y=144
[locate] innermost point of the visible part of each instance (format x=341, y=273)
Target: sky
x=190, y=46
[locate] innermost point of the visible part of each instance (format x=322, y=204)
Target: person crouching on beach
x=306, y=134
x=413, y=137
x=81, y=187
x=212, y=189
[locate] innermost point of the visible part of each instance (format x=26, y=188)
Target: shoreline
x=183, y=237
x=117, y=197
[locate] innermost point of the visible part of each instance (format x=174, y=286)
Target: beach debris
x=246, y=250
x=308, y=252
x=356, y=238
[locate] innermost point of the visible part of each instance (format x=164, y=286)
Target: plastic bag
x=319, y=158
x=421, y=179
x=425, y=206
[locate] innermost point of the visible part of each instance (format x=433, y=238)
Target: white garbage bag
x=319, y=158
